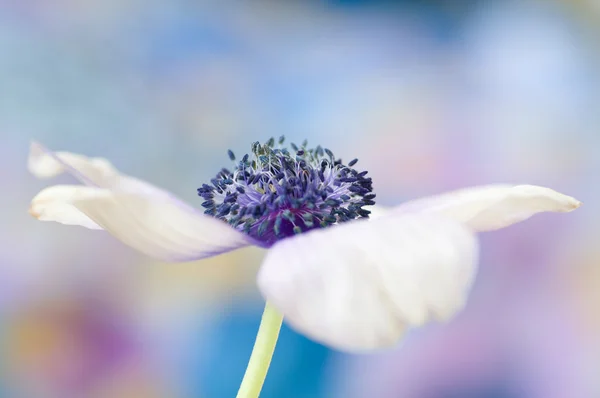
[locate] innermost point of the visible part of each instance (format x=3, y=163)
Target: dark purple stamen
x=276, y=193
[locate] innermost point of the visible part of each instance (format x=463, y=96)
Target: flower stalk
x=260, y=359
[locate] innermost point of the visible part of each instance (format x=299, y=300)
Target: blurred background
x=430, y=95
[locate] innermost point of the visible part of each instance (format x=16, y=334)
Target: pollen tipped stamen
x=274, y=193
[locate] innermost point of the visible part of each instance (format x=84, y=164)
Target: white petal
x=358, y=286
x=55, y=204
x=377, y=211
x=44, y=163
x=159, y=227
x=491, y=207
x=143, y=216
x=98, y=172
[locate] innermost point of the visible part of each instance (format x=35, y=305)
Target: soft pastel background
x=430, y=95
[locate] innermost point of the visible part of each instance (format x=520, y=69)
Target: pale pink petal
x=491, y=207
x=360, y=285
x=156, y=226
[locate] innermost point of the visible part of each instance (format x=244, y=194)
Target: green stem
x=264, y=346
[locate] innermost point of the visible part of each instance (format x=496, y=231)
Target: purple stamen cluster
x=276, y=192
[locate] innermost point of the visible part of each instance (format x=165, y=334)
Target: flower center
x=276, y=192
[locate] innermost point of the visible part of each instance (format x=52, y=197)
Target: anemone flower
x=346, y=282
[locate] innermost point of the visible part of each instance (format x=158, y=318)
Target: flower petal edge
x=491, y=207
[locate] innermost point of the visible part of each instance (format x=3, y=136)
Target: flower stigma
x=278, y=192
